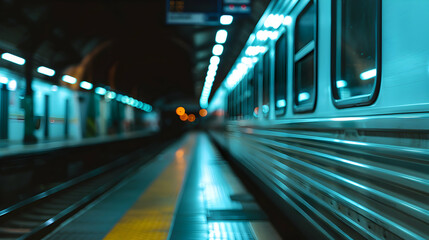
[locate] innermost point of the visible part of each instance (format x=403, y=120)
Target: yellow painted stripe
x=152, y=214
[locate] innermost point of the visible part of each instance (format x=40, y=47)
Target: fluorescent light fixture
x=281, y=103
x=86, y=85
x=69, y=79
x=12, y=58
x=255, y=50
x=54, y=88
x=303, y=96
x=341, y=84
x=100, y=91
x=217, y=50
x=46, y=71
x=4, y=80
x=211, y=73
x=273, y=21
x=226, y=19
x=287, y=21
x=262, y=35
x=221, y=36
x=12, y=85
x=265, y=108
x=215, y=60
x=210, y=78
x=110, y=95
x=368, y=74
x=212, y=67
x=274, y=35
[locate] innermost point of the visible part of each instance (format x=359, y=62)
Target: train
x=63, y=112
x=327, y=111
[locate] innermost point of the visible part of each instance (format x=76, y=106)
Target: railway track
x=37, y=216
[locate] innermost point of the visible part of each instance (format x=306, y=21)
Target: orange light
x=180, y=153
x=184, y=117
x=191, y=117
x=203, y=112
x=256, y=111
x=180, y=111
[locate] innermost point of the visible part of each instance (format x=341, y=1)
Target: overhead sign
x=234, y=7
x=200, y=12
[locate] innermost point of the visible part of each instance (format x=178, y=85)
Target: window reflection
x=355, y=73
x=280, y=75
x=304, y=75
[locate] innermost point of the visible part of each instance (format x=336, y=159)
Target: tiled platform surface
x=187, y=192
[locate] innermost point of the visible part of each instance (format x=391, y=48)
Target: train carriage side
x=330, y=115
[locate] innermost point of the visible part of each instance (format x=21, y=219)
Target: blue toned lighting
x=12, y=85
x=215, y=60
x=341, y=84
x=12, y=58
x=262, y=35
x=54, y=88
x=287, y=21
x=4, y=80
x=281, y=103
x=100, y=91
x=273, y=21
x=69, y=79
x=368, y=74
x=217, y=50
x=86, y=85
x=124, y=99
x=226, y=19
x=304, y=96
x=212, y=67
x=265, y=108
x=211, y=73
x=46, y=71
x=221, y=36
x=110, y=95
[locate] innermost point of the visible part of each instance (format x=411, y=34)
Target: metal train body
x=63, y=113
x=342, y=164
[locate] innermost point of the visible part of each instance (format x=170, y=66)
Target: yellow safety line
x=152, y=214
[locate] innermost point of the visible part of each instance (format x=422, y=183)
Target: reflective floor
x=186, y=192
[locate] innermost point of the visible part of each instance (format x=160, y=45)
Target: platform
x=186, y=192
x=13, y=148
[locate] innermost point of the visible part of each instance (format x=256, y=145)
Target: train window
x=305, y=66
x=249, y=95
x=256, y=90
x=266, y=84
x=355, y=72
x=280, y=76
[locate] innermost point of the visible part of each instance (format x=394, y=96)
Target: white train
x=62, y=113
x=327, y=109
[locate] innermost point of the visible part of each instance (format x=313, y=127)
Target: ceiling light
x=69, y=79
x=217, y=50
x=12, y=58
x=214, y=60
x=100, y=91
x=46, y=71
x=86, y=85
x=221, y=36
x=226, y=19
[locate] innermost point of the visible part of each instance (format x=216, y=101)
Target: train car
x=327, y=110
x=61, y=112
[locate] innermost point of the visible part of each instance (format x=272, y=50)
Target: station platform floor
x=186, y=192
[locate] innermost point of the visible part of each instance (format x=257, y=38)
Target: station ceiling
x=123, y=44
